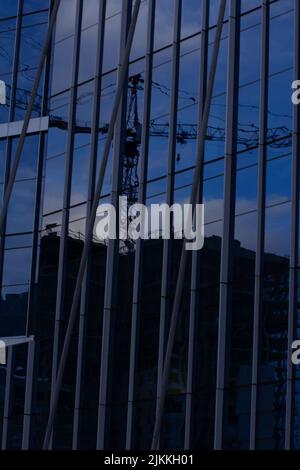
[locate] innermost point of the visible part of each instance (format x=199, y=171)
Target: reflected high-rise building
x=239, y=379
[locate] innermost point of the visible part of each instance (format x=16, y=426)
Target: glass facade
x=231, y=382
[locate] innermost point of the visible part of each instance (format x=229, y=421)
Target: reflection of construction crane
x=133, y=131
x=132, y=143
x=248, y=135
x=247, y=138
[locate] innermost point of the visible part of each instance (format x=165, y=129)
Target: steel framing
x=61, y=278
x=261, y=202
x=117, y=128
x=166, y=294
x=91, y=189
x=196, y=256
x=138, y=262
x=184, y=254
x=89, y=233
x=111, y=275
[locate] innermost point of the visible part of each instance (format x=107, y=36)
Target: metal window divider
x=112, y=260
x=29, y=386
x=7, y=397
x=196, y=256
x=11, y=118
x=138, y=261
x=12, y=172
x=27, y=117
x=165, y=303
x=86, y=249
x=183, y=260
x=226, y=274
x=91, y=190
x=7, y=177
x=63, y=243
x=31, y=369
x=261, y=201
x=30, y=320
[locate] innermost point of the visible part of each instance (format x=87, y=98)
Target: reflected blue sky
x=279, y=116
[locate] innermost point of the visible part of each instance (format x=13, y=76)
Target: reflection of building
x=273, y=339
x=240, y=301
x=13, y=307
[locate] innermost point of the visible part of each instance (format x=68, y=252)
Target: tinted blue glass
x=55, y=153
x=35, y=5
x=8, y=9
x=7, y=39
x=21, y=208
x=33, y=32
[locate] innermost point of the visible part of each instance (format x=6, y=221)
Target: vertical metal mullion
x=7, y=396
x=194, y=301
x=16, y=62
x=293, y=295
x=91, y=190
x=138, y=262
x=113, y=245
x=261, y=197
x=29, y=387
x=167, y=244
x=28, y=395
x=228, y=216
x=11, y=118
x=38, y=197
x=9, y=371
x=66, y=200
x=31, y=295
